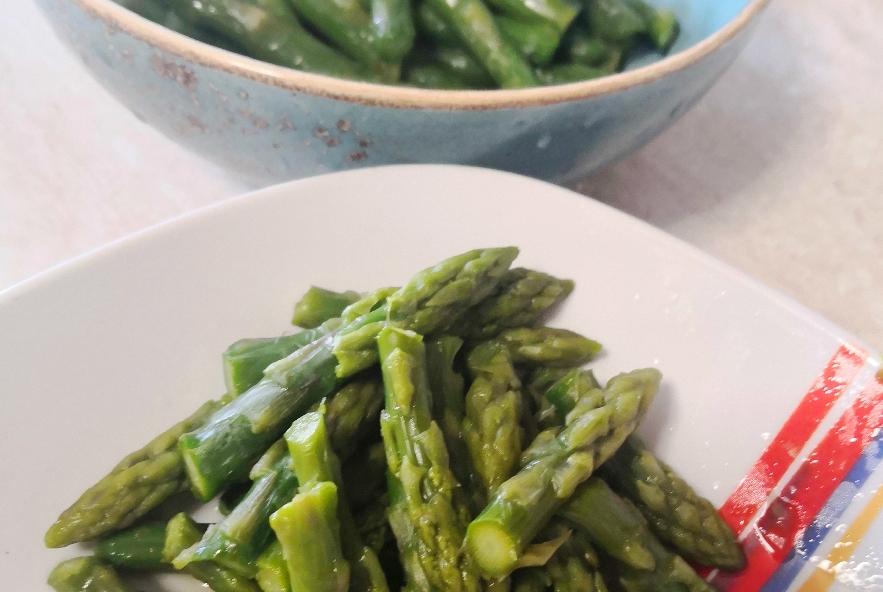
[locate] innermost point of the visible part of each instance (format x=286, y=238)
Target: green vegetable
x=379, y=38
x=610, y=523
x=319, y=305
x=537, y=384
x=477, y=29
x=221, y=451
x=615, y=21
x=662, y=25
x=315, y=464
x=643, y=564
x=398, y=514
x=575, y=567
x=675, y=513
x=139, y=483
x=85, y=574
x=494, y=43
x=521, y=298
x=449, y=411
x=352, y=414
x=433, y=26
x=309, y=532
x=272, y=570
x=238, y=540
x=536, y=41
x=548, y=347
x=182, y=532
x=245, y=360
x=426, y=519
x=553, y=469
x=268, y=30
x=139, y=547
x=582, y=48
x=493, y=408
x=566, y=393
x=558, y=13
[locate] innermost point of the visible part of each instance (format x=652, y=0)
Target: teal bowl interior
x=273, y=124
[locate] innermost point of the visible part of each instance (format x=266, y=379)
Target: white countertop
x=777, y=171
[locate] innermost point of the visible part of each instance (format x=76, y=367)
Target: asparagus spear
x=379, y=37
x=582, y=48
x=449, y=411
x=245, y=360
x=574, y=567
x=182, y=532
x=238, y=539
x=446, y=66
x=558, y=13
x=675, y=513
x=477, y=29
x=539, y=381
x=569, y=390
x=221, y=451
x=139, y=547
x=319, y=305
x=520, y=299
x=351, y=415
x=527, y=500
x=536, y=41
x=662, y=25
x=432, y=26
x=85, y=574
x=548, y=347
x=643, y=564
x=315, y=462
x=269, y=30
x=424, y=516
x=309, y=532
x=493, y=408
x=272, y=570
x=610, y=523
x=139, y=483
x=615, y=21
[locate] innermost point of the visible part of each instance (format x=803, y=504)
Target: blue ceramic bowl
x=271, y=123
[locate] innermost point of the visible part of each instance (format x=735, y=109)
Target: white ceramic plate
x=102, y=353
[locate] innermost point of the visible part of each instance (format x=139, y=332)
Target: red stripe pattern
x=775, y=534
x=756, y=486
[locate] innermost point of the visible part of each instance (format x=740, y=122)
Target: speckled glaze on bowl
x=271, y=123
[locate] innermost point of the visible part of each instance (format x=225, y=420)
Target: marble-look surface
x=777, y=171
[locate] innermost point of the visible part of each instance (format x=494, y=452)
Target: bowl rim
x=118, y=18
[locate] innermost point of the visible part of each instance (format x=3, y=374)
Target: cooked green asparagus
x=674, y=511
x=139, y=483
x=85, y=574
x=427, y=521
x=221, y=451
x=524, y=503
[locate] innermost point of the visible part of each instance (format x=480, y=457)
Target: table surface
x=777, y=171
